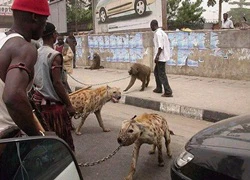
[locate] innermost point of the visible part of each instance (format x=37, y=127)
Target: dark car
x=221, y=151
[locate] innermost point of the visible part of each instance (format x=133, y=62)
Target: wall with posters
x=120, y=15
x=220, y=54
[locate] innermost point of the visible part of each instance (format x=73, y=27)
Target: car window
x=34, y=160
x=239, y=131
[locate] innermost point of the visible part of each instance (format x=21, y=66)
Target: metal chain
x=88, y=164
x=98, y=83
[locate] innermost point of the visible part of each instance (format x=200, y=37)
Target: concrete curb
x=190, y=112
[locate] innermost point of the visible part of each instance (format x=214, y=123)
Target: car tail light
x=184, y=158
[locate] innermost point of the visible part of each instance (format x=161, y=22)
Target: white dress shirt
x=228, y=24
x=161, y=41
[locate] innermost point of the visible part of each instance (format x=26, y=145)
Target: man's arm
x=56, y=72
x=75, y=42
x=159, y=41
x=231, y=24
x=15, y=94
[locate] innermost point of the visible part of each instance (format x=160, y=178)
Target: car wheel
x=103, y=15
x=140, y=7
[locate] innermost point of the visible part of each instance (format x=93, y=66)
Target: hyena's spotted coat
x=86, y=101
x=146, y=128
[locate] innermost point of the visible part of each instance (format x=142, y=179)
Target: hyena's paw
x=106, y=130
x=78, y=133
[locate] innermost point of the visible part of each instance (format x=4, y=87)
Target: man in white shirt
x=227, y=23
x=162, y=54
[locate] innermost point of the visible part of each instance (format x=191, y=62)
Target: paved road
x=95, y=144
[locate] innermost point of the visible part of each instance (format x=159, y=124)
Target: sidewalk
x=195, y=97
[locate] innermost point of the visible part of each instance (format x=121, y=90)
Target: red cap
x=40, y=7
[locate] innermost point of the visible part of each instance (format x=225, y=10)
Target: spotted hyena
x=86, y=101
x=146, y=128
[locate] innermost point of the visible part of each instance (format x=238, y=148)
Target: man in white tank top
x=17, y=58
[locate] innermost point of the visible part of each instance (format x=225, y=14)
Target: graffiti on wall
x=129, y=47
x=187, y=48
x=182, y=46
x=79, y=49
x=119, y=48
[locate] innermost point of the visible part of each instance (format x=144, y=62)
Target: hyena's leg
x=167, y=142
x=78, y=129
x=159, y=147
x=153, y=149
x=99, y=118
x=134, y=161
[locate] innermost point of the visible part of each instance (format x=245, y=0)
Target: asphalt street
x=94, y=144
x=196, y=101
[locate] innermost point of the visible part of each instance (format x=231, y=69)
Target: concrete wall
x=219, y=54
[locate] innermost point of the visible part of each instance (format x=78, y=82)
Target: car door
x=127, y=5
x=113, y=7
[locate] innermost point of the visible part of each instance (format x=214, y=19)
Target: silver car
x=107, y=8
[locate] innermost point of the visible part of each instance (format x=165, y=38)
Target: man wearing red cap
x=17, y=58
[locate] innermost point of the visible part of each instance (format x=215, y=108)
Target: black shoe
x=157, y=91
x=167, y=95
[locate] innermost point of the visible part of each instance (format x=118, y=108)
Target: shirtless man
x=17, y=58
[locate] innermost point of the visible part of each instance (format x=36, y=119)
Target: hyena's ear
x=133, y=117
x=132, y=120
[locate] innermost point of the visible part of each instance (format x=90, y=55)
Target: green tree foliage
x=190, y=12
x=241, y=3
x=188, y=15
x=238, y=14
x=79, y=12
x=172, y=7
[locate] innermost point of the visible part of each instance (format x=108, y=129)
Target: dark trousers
x=161, y=78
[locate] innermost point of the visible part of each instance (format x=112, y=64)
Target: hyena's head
x=114, y=94
x=129, y=133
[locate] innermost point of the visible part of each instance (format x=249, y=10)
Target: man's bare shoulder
x=18, y=45
x=20, y=51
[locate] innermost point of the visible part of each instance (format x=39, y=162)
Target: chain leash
x=98, y=83
x=88, y=164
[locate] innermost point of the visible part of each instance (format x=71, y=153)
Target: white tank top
x=5, y=119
